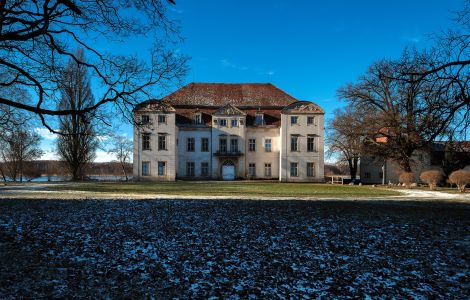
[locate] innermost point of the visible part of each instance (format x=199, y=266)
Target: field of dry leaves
x=232, y=249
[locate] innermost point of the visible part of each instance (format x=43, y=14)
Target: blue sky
x=307, y=48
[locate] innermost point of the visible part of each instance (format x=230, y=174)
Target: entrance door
x=228, y=170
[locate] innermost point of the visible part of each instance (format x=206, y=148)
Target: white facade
x=230, y=143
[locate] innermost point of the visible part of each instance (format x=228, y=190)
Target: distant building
x=229, y=131
x=378, y=169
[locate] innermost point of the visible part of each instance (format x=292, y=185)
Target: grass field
x=267, y=189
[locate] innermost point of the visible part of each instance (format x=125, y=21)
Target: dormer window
x=145, y=119
x=259, y=119
x=223, y=122
x=197, y=118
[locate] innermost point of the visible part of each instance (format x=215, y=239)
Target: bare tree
x=37, y=37
x=406, y=115
x=345, y=135
x=16, y=147
x=122, y=147
x=78, y=142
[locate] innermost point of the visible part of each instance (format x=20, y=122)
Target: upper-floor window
x=223, y=144
x=234, y=145
x=223, y=122
x=161, y=142
x=204, y=144
x=146, y=141
x=161, y=119
x=267, y=145
x=294, y=120
x=310, y=120
x=234, y=123
x=145, y=119
x=190, y=144
x=267, y=170
x=310, y=143
x=259, y=119
x=252, y=170
x=294, y=169
x=252, y=145
x=294, y=143
x=145, y=168
x=310, y=169
x=197, y=118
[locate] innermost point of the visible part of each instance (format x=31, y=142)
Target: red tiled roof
x=236, y=94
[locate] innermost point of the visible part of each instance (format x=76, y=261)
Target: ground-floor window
x=252, y=170
x=190, y=168
x=204, y=169
x=310, y=169
x=294, y=169
x=161, y=168
x=267, y=170
x=366, y=174
x=145, y=168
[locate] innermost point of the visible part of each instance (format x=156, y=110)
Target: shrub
x=431, y=177
x=460, y=178
x=407, y=178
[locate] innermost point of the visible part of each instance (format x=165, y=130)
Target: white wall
x=197, y=156
x=260, y=156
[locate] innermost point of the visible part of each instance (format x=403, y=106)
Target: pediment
x=229, y=110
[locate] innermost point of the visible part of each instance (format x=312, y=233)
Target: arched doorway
x=228, y=170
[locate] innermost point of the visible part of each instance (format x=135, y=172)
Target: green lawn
x=272, y=189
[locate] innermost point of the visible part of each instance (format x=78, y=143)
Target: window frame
x=145, y=122
x=297, y=146
x=234, y=121
x=164, y=119
x=162, y=140
x=266, y=148
x=296, y=118
x=268, y=170
x=146, y=141
x=233, y=145
x=310, y=169
x=311, y=145
x=222, y=138
x=190, y=144
x=190, y=169
x=148, y=173
x=252, y=142
x=311, y=118
x=159, y=165
x=252, y=170
x=296, y=169
x=223, y=122
x=204, y=166
x=204, y=144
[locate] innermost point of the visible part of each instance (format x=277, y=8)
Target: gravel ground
x=233, y=249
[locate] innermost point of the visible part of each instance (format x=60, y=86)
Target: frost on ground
x=232, y=249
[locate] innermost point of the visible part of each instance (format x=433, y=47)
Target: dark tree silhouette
x=37, y=37
x=78, y=142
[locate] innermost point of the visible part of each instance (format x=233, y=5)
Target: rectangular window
x=294, y=120
x=204, y=145
x=259, y=119
x=294, y=143
x=222, y=144
x=190, y=144
x=161, y=168
x=310, y=169
x=161, y=142
x=267, y=145
x=161, y=119
x=381, y=175
x=234, y=145
x=310, y=143
x=294, y=169
x=190, y=169
x=251, y=145
x=366, y=174
x=146, y=141
x=223, y=122
x=204, y=169
x=310, y=120
x=145, y=119
x=252, y=170
x=145, y=168
x=197, y=118
x=234, y=123
x=267, y=170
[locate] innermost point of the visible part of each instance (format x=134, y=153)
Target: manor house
x=227, y=132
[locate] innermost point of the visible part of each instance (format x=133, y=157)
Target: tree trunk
x=124, y=171
x=352, y=162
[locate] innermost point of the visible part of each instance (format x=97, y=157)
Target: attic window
x=259, y=119
x=197, y=118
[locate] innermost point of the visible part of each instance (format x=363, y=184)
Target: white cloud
x=45, y=133
x=228, y=64
x=49, y=155
x=103, y=156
